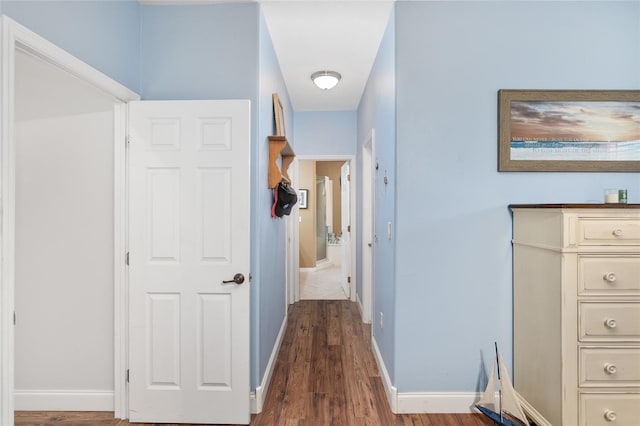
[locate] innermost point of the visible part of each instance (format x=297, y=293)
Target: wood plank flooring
x=325, y=374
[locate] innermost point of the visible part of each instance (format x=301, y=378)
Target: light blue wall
x=325, y=132
x=269, y=252
x=453, y=259
x=200, y=52
x=208, y=52
x=377, y=111
x=104, y=34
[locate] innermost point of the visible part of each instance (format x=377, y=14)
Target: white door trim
x=294, y=286
x=120, y=273
x=16, y=37
x=368, y=217
x=293, y=244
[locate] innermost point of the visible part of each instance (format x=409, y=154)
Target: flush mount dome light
x=325, y=79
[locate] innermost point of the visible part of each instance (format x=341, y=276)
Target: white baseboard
x=361, y=309
x=257, y=397
x=64, y=400
x=453, y=402
x=437, y=402
x=422, y=402
x=390, y=390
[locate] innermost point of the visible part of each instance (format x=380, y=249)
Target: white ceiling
x=317, y=35
x=341, y=36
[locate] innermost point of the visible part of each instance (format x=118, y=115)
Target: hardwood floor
x=325, y=374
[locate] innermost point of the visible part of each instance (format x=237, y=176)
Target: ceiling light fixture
x=325, y=79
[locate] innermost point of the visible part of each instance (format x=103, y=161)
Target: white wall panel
x=64, y=253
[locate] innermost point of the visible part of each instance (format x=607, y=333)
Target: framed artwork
x=569, y=130
x=303, y=198
x=278, y=115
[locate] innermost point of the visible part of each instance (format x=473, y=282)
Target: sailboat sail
x=489, y=396
x=508, y=412
x=510, y=403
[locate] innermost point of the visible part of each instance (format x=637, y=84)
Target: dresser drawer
x=605, y=367
x=610, y=409
x=609, y=322
x=609, y=275
x=597, y=231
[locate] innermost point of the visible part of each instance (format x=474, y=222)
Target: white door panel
x=189, y=231
x=345, y=200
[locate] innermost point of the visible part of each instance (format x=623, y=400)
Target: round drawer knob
x=610, y=368
x=617, y=232
x=609, y=277
x=610, y=323
x=610, y=416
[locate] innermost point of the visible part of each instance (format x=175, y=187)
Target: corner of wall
x=390, y=390
x=258, y=396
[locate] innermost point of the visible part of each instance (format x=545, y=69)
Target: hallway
x=325, y=375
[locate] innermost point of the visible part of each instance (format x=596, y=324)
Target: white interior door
x=345, y=201
x=189, y=232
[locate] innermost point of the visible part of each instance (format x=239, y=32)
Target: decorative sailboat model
x=507, y=411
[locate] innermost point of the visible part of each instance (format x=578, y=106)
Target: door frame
x=292, y=237
x=294, y=259
x=17, y=37
x=368, y=225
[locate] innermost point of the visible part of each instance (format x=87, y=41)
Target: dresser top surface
x=575, y=206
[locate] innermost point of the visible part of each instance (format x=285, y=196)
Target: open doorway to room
x=325, y=229
x=64, y=240
x=63, y=231
x=321, y=230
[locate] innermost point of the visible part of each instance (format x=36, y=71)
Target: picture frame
x=303, y=198
x=569, y=130
x=278, y=115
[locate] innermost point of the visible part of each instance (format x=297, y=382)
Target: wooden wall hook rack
x=278, y=146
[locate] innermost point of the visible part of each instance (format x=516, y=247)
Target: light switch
x=389, y=230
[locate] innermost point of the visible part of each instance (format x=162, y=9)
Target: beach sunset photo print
x=567, y=130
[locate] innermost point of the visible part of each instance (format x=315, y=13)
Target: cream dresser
x=576, y=271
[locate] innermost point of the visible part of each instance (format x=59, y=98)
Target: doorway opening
x=64, y=258
x=325, y=231
x=62, y=231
